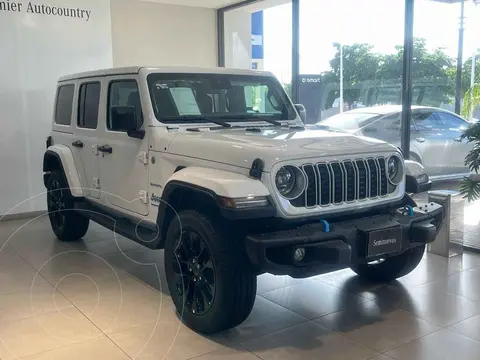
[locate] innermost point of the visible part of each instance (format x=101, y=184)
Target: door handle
x=105, y=149
x=77, y=143
x=458, y=139
x=420, y=140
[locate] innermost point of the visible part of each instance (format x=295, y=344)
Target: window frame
x=276, y=87
x=108, y=115
x=81, y=85
x=57, y=97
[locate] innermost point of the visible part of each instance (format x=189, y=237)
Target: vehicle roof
x=161, y=69
x=389, y=109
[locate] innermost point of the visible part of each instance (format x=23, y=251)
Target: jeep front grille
x=337, y=182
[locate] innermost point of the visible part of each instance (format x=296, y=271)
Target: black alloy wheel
x=194, y=272
x=67, y=224
x=56, y=205
x=208, y=274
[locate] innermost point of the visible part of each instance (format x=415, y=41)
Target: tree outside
x=371, y=78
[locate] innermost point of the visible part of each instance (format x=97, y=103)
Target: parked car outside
x=435, y=135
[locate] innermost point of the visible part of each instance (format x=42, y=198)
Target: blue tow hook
x=326, y=225
x=411, y=213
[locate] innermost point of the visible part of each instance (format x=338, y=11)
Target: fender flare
x=413, y=170
x=211, y=184
x=220, y=182
x=64, y=157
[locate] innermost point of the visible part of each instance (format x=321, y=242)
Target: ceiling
x=216, y=4
x=213, y=4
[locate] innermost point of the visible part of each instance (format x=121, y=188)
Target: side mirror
x=124, y=118
x=301, y=112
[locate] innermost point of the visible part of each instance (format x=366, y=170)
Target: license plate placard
x=384, y=241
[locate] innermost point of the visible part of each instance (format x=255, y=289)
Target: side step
x=114, y=221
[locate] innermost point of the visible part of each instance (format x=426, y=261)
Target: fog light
x=299, y=254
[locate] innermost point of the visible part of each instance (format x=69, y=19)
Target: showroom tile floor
x=105, y=298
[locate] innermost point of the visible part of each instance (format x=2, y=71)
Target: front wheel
x=208, y=276
x=391, y=268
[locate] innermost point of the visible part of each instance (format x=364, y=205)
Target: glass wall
x=435, y=133
x=259, y=37
x=351, y=65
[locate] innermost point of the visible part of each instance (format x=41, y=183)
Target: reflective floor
x=105, y=298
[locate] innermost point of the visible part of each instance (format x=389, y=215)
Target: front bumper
x=347, y=243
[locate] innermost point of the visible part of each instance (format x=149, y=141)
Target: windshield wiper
x=253, y=117
x=203, y=119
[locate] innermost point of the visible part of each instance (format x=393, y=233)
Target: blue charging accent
x=410, y=210
x=326, y=226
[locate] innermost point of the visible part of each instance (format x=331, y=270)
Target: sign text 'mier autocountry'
x=44, y=9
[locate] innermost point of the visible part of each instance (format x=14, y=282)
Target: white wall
x=35, y=49
x=158, y=34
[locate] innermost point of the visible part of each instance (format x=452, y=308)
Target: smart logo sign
x=310, y=80
x=44, y=9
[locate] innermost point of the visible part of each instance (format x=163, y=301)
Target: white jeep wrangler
x=216, y=168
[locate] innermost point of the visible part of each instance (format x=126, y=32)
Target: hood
x=240, y=147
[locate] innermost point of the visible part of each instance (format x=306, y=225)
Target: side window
x=88, y=104
x=123, y=98
x=425, y=121
x=392, y=122
x=63, y=107
x=451, y=122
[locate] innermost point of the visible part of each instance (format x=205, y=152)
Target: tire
x=67, y=224
x=230, y=300
x=393, y=267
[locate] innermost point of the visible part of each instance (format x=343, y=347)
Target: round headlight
x=394, y=169
x=290, y=182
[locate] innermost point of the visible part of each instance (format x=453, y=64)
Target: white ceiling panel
x=213, y=4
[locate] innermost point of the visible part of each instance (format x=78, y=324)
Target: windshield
x=350, y=121
x=181, y=98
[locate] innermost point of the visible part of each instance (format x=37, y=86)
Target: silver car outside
x=435, y=135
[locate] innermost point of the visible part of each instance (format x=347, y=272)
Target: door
x=431, y=141
x=85, y=137
x=453, y=126
x=122, y=158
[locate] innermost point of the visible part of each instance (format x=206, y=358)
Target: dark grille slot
x=324, y=184
x=383, y=176
x=373, y=170
x=299, y=202
x=311, y=192
x=362, y=179
x=351, y=180
x=338, y=182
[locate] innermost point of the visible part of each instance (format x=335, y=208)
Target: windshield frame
x=273, y=84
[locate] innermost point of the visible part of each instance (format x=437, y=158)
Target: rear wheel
x=208, y=276
x=67, y=224
x=391, y=268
